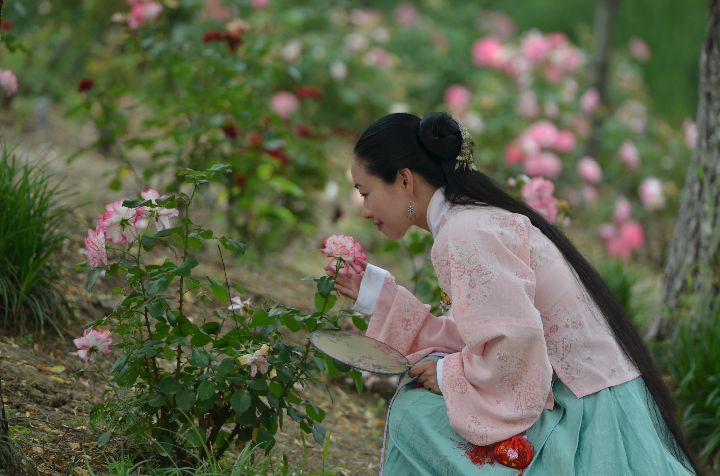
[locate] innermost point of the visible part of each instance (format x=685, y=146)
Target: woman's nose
x=366, y=213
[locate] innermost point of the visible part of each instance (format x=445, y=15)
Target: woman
x=534, y=347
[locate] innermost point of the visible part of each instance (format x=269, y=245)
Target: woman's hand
x=347, y=282
x=426, y=373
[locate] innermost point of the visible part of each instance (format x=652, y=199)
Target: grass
x=30, y=234
x=694, y=363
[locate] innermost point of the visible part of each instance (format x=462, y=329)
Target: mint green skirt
x=608, y=433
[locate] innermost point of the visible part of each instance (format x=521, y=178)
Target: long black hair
x=429, y=147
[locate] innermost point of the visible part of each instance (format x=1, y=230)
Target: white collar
x=436, y=210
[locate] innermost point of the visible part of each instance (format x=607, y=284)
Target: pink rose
x=95, y=247
x=406, y=14
x=142, y=12
x=284, y=104
x=8, y=82
x=527, y=105
x=691, y=133
x=623, y=210
x=589, y=170
x=92, y=343
x=651, y=193
x=545, y=164
x=544, y=133
x=535, y=47
x=639, y=49
x=538, y=193
x=514, y=154
x=160, y=215
x=589, y=101
x=120, y=223
x=457, y=99
x=347, y=249
x=257, y=360
x=489, y=52
x=564, y=142
x=629, y=155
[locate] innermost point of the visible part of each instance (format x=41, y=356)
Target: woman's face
x=384, y=204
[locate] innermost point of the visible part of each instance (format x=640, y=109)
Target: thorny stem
x=182, y=279
x=227, y=285
x=153, y=363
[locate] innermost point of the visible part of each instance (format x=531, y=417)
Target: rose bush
x=196, y=371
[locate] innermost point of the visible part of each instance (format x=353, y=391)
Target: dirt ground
x=49, y=392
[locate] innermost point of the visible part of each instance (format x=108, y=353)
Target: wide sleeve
x=402, y=321
x=497, y=385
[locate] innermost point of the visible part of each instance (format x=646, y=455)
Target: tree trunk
x=693, y=265
x=605, y=16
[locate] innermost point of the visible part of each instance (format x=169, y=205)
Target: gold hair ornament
x=464, y=161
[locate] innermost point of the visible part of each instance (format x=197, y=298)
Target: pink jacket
x=518, y=313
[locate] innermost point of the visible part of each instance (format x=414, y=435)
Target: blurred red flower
x=85, y=84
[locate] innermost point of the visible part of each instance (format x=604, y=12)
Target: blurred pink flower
x=514, y=154
x=551, y=109
x=489, y=52
x=538, y=193
x=543, y=133
x=259, y=4
x=406, y=14
x=651, y=193
x=633, y=114
x=527, y=105
x=589, y=170
x=119, y=222
x=623, y=210
x=92, y=343
x=8, y=82
x=545, y=164
x=535, y=47
x=691, y=133
x=589, y=194
x=629, y=155
x=217, y=11
x=564, y=142
x=141, y=12
x=639, y=49
x=457, y=99
x=291, y=51
x=95, y=247
x=378, y=57
x=284, y=104
x=622, y=239
x=589, y=101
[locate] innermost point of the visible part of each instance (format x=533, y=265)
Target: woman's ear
x=406, y=179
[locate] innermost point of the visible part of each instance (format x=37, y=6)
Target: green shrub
x=694, y=364
x=29, y=237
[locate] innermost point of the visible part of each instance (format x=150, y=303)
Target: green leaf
x=294, y=414
x=132, y=203
x=199, y=340
x=276, y=388
x=185, y=399
x=92, y=277
x=104, y=439
x=360, y=322
x=211, y=327
x=261, y=318
x=220, y=169
x=318, y=432
x=325, y=285
x=219, y=290
x=206, y=390
x=226, y=367
x=169, y=386
x=186, y=267
x=316, y=413
x=241, y=401
x=259, y=385
x=200, y=358
x=232, y=245
x=195, y=437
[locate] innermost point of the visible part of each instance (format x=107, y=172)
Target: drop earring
x=410, y=211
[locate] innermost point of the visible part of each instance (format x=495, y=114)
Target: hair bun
x=440, y=135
